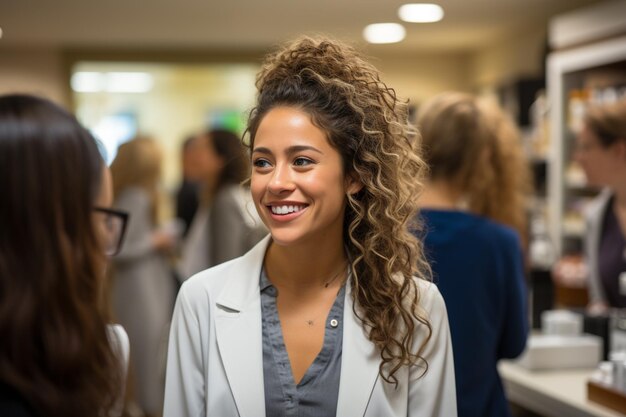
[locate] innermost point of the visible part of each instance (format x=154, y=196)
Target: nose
x=281, y=181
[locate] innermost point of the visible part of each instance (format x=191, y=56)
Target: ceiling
x=257, y=24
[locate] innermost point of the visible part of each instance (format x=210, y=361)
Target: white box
x=561, y=323
x=562, y=352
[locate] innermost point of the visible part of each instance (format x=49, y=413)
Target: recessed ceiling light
x=420, y=12
x=384, y=33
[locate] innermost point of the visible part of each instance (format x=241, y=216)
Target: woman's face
x=297, y=182
x=602, y=165
x=208, y=162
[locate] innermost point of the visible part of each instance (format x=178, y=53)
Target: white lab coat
x=215, y=357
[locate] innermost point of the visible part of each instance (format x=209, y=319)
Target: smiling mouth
x=286, y=209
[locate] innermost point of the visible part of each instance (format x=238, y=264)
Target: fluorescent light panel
x=384, y=33
x=112, y=82
x=420, y=12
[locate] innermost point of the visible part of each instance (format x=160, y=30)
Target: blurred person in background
x=187, y=195
x=58, y=356
x=143, y=286
x=601, y=152
x=225, y=225
x=473, y=207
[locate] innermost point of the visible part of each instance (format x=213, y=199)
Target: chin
x=287, y=237
x=282, y=239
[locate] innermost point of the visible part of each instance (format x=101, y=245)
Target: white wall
x=35, y=70
x=421, y=76
x=519, y=55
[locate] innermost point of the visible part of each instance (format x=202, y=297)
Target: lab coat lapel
x=239, y=333
x=359, y=365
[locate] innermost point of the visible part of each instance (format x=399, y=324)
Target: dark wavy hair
x=229, y=147
x=55, y=350
x=368, y=125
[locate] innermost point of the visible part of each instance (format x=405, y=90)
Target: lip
x=285, y=217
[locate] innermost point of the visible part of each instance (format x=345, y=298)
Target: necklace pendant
x=310, y=322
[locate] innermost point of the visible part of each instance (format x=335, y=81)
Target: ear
x=353, y=185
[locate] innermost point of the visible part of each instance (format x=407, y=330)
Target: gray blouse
x=316, y=394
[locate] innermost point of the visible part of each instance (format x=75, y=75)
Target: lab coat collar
x=240, y=340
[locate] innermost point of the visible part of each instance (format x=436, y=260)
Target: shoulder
x=495, y=235
x=227, y=193
x=430, y=298
x=208, y=284
x=596, y=208
x=227, y=199
x=462, y=225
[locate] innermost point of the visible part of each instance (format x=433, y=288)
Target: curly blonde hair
x=368, y=125
x=473, y=145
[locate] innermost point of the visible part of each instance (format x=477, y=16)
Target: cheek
x=257, y=187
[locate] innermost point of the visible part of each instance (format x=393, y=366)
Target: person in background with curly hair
x=332, y=313
x=58, y=355
x=473, y=208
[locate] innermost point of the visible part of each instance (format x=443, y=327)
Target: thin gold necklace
x=311, y=322
x=330, y=281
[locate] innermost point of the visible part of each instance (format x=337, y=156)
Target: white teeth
x=286, y=209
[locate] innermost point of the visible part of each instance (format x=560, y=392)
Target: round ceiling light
x=384, y=33
x=420, y=13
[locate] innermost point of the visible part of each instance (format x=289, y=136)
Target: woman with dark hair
x=223, y=227
x=332, y=313
x=58, y=357
x=601, y=151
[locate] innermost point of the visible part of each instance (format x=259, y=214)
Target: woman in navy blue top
x=477, y=175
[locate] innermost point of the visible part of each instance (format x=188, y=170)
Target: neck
x=439, y=195
x=305, y=267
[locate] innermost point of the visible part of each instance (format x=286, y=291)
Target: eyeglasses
x=112, y=229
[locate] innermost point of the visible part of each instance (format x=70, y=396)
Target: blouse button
x=334, y=323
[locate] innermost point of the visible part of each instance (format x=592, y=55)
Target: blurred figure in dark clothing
x=187, y=196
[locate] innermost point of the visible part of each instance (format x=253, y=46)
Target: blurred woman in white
x=143, y=287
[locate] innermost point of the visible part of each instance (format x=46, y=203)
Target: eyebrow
x=290, y=150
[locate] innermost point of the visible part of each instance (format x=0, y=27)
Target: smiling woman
x=332, y=314
x=298, y=175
